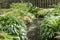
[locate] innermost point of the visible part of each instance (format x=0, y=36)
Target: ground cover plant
x=12, y=22
x=24, y=10
x=13, y=27
x=50, y=25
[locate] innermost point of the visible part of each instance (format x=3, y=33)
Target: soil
x=33, y=34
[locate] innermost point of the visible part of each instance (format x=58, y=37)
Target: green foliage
x=52, y=21
x=6, y=36
x=13, y=26
x=55, y=11
x=46, y=32
x=44, y=12
x=11, y=22
x=21, y=6
x=23, y=9
x=50, y=25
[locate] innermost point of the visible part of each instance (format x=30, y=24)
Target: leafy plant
x=49, y=26
x=13, y=26
x=20, y=10
x=6, y=36
x=25, y=7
